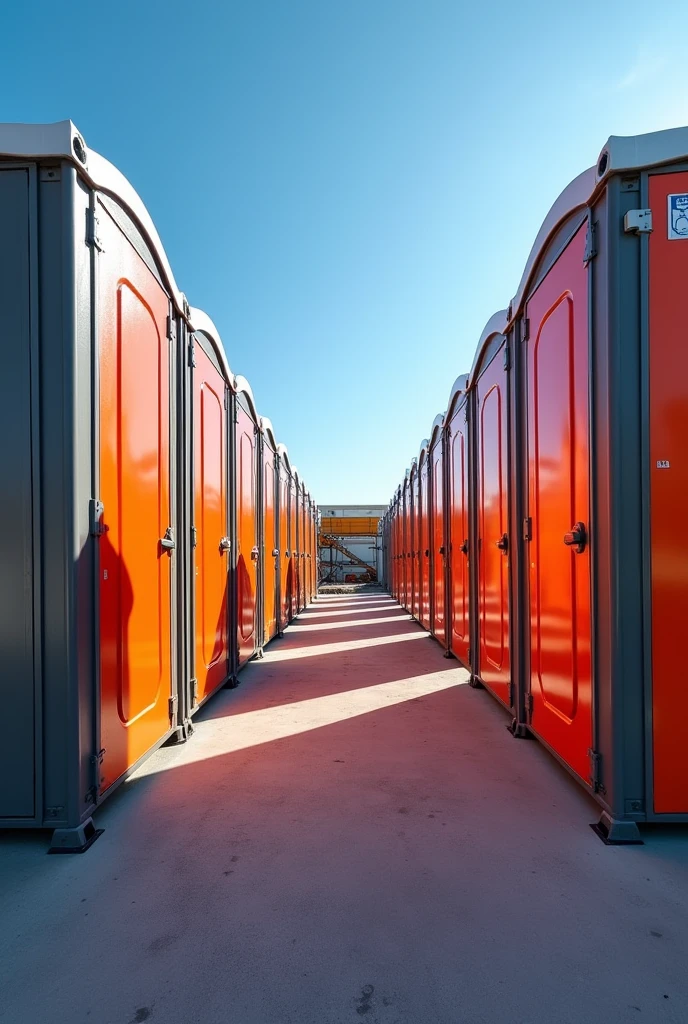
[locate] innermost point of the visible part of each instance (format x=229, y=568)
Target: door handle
x=577, y=538
x=275, y=552
x=225, y=544
x=167, y=543
x=254, y=554
x=464, y=547
x=427, y=552
x=503, y=543
x=287, y=554
x=442, y=550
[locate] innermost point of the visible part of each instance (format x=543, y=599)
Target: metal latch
x=96, y=511
x=225, y=544
x=527, y=528
x=595, y=779
x=167, y=543
x=638, y=221
x=172, y=706
x=92, y=237
x=194, y=537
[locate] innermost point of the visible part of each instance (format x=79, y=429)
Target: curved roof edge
x=497, y=324
x=424, y=445
x=283, y=453
x=437, y=425
x=63, y=141
x=243, y=386
x=268, y=429
x=459, y=387
x=201, y=323
x=631, y=152
x=575, y=196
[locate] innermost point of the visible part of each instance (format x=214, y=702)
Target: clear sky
x=350, y=189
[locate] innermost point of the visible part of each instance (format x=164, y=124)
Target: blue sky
x=349, y=189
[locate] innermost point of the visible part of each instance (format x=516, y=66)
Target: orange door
x=558, y=500
x=285, y=600
x=270, y=543
x=493, y=554
x=211, y=554
x=293, y=541
x=424, y=544
x=247, y=533
x=302, y=554
x=668, y=487
x=439, y=548
x=135, y=569
x=459, y=602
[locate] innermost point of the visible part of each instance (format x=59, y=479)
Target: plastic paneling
x=134, y=584
x=459, y=602
x=668, y=271
x=493, y=551
x=210, y=519
x=558, y=499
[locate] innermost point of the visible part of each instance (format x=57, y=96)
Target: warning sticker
x=678, y=215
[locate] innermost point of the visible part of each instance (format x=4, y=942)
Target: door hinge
x=595, y=776
x=172, y=706
x=96, y=764
x=194, y=537
x=529, y=706
x=527, y=528
x=507, y=357
x=468, y=655
x=92, y=236
x=171, y=328
x=96, y=511
x=193, y=687
x=191, y=354
x=590, y=244
x=510, y=694
x=525, y=328
x=638, y=222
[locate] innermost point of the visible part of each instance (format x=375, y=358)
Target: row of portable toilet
x=154, y=536
x=537, y=534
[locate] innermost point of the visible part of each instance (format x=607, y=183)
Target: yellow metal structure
x=350, y=526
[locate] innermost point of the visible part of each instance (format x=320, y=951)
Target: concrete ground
x=351, y=835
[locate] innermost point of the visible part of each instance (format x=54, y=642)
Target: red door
x=425, y=542
x=415, y=546
x=438, y=542
x=211, y=554
x=459, y=602
x=406, y=546
x=135, y=568
x=668, y=488
x=558, y=499
x=493, y=553
x=270, y=562
x=247, y=533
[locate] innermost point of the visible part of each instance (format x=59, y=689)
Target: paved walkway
x=351, y=835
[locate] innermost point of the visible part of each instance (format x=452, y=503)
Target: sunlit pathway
x=351, y=835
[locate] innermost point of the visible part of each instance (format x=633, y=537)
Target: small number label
x=105, y=574
x=662, y=464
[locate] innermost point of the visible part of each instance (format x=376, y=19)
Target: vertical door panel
x=415, y=546
x=439, y=547
x=135, y=489
x=458, y=524
x=284, y=546
x=424, y=544
x=668, y=487
x=247, y=531
x=270, y=563
x=17, y=753
x=558, y=495
x=210, y=519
